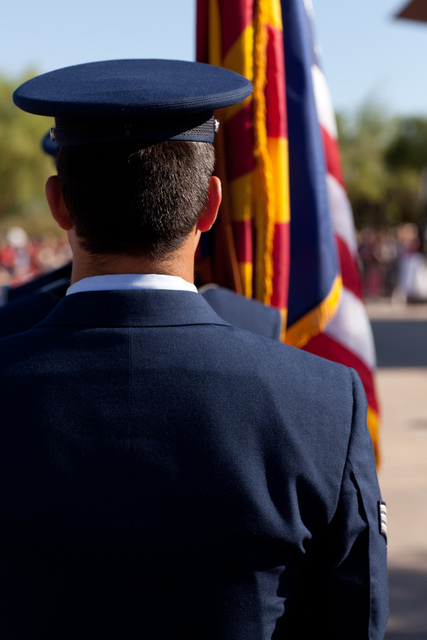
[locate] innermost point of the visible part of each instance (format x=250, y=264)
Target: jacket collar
x=142, y=308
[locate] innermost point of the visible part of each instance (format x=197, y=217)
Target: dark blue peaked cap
x=125, y=100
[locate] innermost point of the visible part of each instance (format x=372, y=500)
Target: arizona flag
x=252, y=149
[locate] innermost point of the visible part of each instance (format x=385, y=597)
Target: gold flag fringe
x=264, y=192
x=374, y=427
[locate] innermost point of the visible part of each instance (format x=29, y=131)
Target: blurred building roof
x=414, y=10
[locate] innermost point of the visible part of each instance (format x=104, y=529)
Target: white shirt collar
x=131, y=281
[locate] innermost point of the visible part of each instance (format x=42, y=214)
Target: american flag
x=348, y=336
x=315, y=284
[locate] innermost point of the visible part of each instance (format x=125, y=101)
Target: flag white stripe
x=341, y=213
x=324, y=107
x=351, y=328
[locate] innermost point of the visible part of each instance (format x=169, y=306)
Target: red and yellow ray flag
x=246, y=36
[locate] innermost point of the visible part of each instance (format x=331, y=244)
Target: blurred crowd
x=23, y=258
x=393, y=262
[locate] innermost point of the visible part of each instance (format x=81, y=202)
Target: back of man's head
x=135, y=200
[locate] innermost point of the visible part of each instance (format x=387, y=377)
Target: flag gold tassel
x=373, y=422
x=264, y=188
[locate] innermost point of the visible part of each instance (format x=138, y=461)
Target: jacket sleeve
x=356, y=580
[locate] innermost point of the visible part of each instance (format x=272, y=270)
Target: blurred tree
x=382, y=162
x=362, y=140
x=408, y=148
x=406, y=158
x=23, y=165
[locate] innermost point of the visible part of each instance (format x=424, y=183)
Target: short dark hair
x=135, y=201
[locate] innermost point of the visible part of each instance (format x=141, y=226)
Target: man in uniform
x=165, y=474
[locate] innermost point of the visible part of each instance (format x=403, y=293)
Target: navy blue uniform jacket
x=166, y=475
x=29, y=303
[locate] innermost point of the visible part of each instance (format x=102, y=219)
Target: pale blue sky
x=367, y=54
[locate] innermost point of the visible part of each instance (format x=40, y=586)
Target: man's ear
x=210, y=212
x=56, y=203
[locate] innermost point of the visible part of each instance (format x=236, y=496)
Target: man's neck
x=179, y=263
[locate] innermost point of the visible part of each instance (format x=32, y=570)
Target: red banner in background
x=252, y=148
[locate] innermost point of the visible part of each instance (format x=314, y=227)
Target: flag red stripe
x=202, y=50
x=333, y=157
x=349, y=269
x=325, y=347
x=242, y=231
x=235, y=17
x=279, y=297
x=239, y=140
x=275, y=88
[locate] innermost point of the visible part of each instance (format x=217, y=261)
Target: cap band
x=78, y=131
